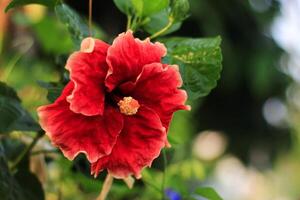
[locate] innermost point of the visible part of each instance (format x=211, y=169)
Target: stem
x=27, y=150
x=134, y=23
x=43, y=152
x=90, y=16
x=129, y=18
x=164, y=174
x=163, y=30
x=106, y=187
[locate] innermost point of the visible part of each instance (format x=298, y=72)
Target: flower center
x=128, y=106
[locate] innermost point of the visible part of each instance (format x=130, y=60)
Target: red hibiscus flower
x=118, y=105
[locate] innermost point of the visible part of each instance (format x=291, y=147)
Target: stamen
x=128, y=106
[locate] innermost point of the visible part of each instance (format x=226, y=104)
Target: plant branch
x=129, y=18
x=90, y=16
x=27, y=150
x=43, y=151
x=106, y=187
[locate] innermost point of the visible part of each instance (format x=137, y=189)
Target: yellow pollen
x=128, y=106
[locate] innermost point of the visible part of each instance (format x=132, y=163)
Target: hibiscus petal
x=127, y=56
x=139, y=143
x=161, y=83
x=76, y=133
x=88, y=70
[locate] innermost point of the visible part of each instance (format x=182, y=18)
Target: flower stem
x=106, y=187
x=129, y=18
x=27, y=150
x=90, y=16
x=164, y=154
x=163, y=30
x=44, y=151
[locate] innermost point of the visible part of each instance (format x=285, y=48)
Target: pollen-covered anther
x=128, y=106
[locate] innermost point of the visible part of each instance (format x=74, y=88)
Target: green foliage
x=9, y=190
x=208, y=193
x=21, y=186
x=31, y=186
x=54, y=90
x=160, y=20
x=180, y=9
x=199, y=61
x=151, y=7
x=154, y=15
x=125, y=6
x=48, y=32
x=76, y=26
x=169, y=19
x=12, y=148
x=12, y=115
x=8, y=92
x=17, y=3
x=141, y=7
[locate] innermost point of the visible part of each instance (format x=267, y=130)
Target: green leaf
x=26, y=123
x=180, y=9
x=17, y=3
x=154, y=6
x=12, y=115
x=54, y=90
x=49, y=31
x=22, y=186
x=8, y=92
x=125, y=6
x=167, y=15
x=9, y=189
x=10, y=112
x=31, y=186
x=159, y=21
x=12, y=147
x=76, y=26
x=141, y=7
x=200, y=62
x=138, y=6
x=130, y=7
x=208, y=193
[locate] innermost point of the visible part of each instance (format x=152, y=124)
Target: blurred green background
x=242, y=139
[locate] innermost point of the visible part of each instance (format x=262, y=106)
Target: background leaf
x=12, y=147
x=180, y=9
x=199, y=61
x=208, y=193
x=125, y=6
x=49, y=31
x=8, y=92
x=17, y=3
x=141, y=7
x=31, y=186
x=12, y=115
x=154, y=6
x=9, y=189
x=54, y=90
x=22, y=186
x=158, y=21
x=76, y=26
x=138, y=6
